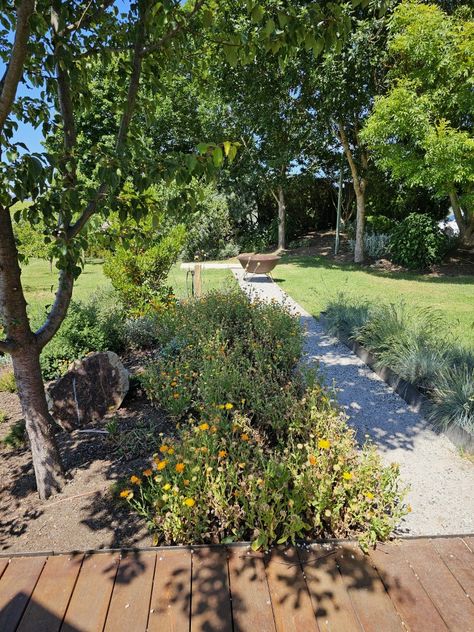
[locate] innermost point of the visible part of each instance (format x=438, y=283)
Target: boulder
x=91, y=388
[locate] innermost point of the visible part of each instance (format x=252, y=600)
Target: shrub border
x=407, y=391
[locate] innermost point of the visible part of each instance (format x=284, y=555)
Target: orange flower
x=176, y=395
x=126, y=493
x=312, y=459
x=135, y=480
x=222, y=454
x=204, y=426
x=147, y=472
x=244, y=436
x=186, y=482
x=164, y=448
x=161, y=464
x=179, y=467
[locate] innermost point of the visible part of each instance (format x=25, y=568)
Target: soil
x=87, y=514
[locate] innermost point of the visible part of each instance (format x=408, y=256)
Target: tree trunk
x=25, y=351
x=39, y=423
x=281, y=219
x=464, y=222
x=359, y=254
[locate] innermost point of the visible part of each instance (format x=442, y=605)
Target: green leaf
x=217, y=157
x=227, y=147
x=257, y=14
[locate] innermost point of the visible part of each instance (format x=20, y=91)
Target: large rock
x=91, y=388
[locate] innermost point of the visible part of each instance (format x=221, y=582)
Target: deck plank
x=410, y=598
x=130, y=602
x=331, y=601
x=171, y=596
x=251, y=604
x=50, y=598
x=90, y=600
x=3, y=564
x=374, y=608
x=444, y=591
x=210, y=603
x=291, y=601
x=469, y=542
x=16, y=585
x=459, y=559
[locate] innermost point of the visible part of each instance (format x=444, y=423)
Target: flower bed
x=260, y=452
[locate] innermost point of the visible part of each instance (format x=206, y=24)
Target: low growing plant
x=417, y=242
x=16, y=436
x=453, y=399
x=260, y=452
x=3, y=416
x=222, y=481
x=7, y=382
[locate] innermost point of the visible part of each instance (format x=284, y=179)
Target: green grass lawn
x=39, y=281
x=313, y=281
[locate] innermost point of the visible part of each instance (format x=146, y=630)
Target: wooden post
x=197, y=280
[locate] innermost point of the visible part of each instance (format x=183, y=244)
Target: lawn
x=39, y=281
x=312, y=281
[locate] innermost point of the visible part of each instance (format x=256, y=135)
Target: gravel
x=441, y=481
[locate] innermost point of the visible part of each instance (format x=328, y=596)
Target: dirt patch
x=87, y=514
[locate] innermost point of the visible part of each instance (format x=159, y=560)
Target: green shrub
x=7, y=382
x=141, y=332
x=16, y=436
x=418, y=242
x=3, y=416
x=379, y=224
x=260, y=453
x=139, y=277
x=95, y=325
x=453, y=398
x=345, y=315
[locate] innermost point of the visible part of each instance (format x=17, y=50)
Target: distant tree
x=421, y=130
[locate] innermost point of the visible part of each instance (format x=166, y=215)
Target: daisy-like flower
x=347, y=476
x=189, y=502
x=166, y=487
x=369, y=495
x=244, y=436
x=222, y=454
x=204, y=426
x=135, y=480
x=229, y=406
x=179, y=467
x=324, y=444
x=126, y=493
x=147, y=472
x=161, y=464
x=312, y=459
x=164, y=448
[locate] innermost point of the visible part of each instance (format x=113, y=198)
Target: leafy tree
x=421, y=130
x=340, y=93
x=50, y=45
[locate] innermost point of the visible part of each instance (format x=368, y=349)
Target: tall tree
x=48, y=45
x=421, y=130
x=340, y=93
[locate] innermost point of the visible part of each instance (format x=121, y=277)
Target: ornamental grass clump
x=260, y=452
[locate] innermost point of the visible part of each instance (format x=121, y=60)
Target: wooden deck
x=419, y=585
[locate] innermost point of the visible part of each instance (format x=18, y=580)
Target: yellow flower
x=173, y=383
x=241, y=465
x=189, y=502
x=164, y=448
x=147, y=472
x=135, y=480
x=347, y=476
x=204, y=426
x=186, y=482
x=312, y=459
x=166, y=487
x=229, y=406
x=222, y=454
x=170, y=450
x=161, y=464
x=126, y=493
x=244, y=436
x=324, y=444
x=179, y=467
x=369, y=495
x=176, y=395
x=220, y=406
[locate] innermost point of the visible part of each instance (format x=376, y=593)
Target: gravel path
x=441, y=481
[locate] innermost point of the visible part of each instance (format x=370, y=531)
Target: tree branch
x=5, y=346
x=350, y=158
x=85, y=20
x=17, y=60
x=58, y=310
x=174, y=31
